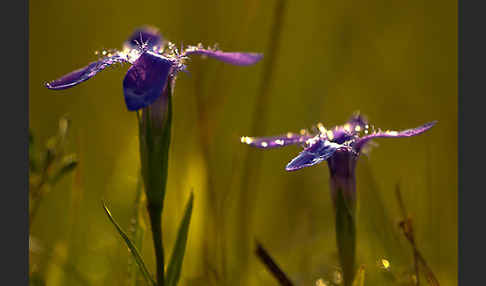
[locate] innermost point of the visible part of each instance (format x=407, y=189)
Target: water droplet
x=384, y=264
x=347, y=127
x=321, y=127
x=330, y=135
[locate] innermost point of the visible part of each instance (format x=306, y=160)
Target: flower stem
x=343, y=192
x=345, y=236
x=155, y=134
x=155, y=214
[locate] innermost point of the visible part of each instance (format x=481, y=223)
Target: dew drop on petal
x=347, y=127
x=330, y=134
x=321, y=127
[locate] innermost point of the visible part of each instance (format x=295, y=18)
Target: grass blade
x=419, y=260
x=272, y=266
x=132, y=248
x=137, y=232
x=175, y=264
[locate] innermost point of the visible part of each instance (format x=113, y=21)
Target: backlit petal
x=392, y=134
x=146, y=80
x=235, y=58
x=78, y=76
x=275, y=141
x=316, y=153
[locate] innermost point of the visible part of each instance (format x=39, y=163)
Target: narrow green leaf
x=138, y=238
x=175, y=265
x=132, y=248
x=272, y=266
x=137, y=233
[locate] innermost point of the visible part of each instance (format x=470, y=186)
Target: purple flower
x=340, y=147
x=347, y=140
x=154, y=62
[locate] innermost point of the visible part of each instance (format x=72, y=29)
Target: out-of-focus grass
x=394, y=61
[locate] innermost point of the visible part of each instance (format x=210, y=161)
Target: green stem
x=345, y=236
x=343, y=192
x=155, y=133
x=155, y=214
x=342, y=167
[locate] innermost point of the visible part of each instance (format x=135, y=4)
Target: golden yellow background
x=395, y=61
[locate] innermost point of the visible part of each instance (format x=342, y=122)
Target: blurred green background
x=395, y=61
